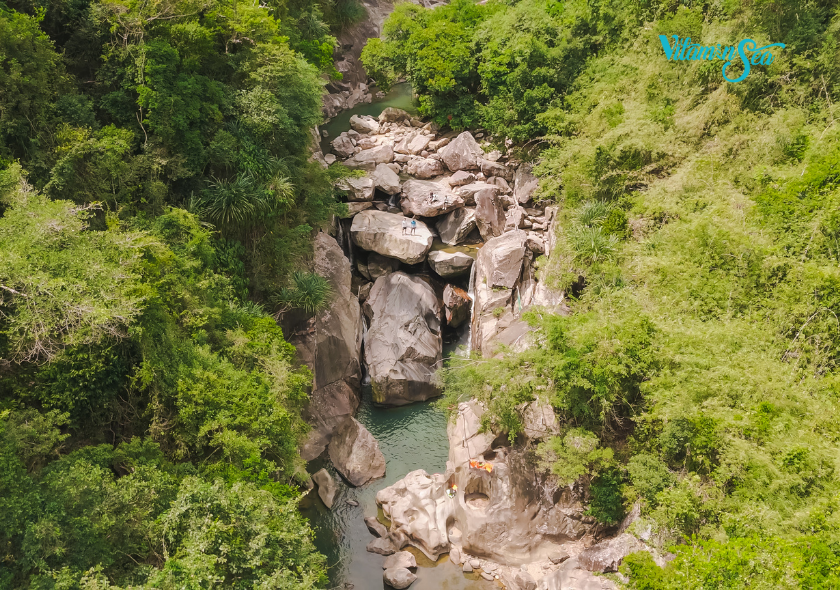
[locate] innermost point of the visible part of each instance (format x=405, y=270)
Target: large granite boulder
x=461, y=178
x=413, y=143
x=500, y=260
x=368, y=159
x=403, y=346
x=469, y=191
x=385, y=179
x=416, y=199
x=607, y=555
x=354, y=209
x=378, y=231
x=355, y=453
x=424, y=168
x=457, y=304
x=358, y=189
x=462, y=153
x=400, y=559
x=394, y=115
x=326, y=487
x=364, y=124
x=489, y=214
x=573, y=578
x=450, y=264
x=496, y=169
x=454, y=227
x=330, y=345
x=343, y=145
x=398, y=578
x=379, y=266
x=524, y=184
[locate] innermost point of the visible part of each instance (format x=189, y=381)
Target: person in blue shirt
x=413, y=226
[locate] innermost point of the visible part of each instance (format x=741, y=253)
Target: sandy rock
x=524, y=184
x=450, y=264
x=462, y=153
x=364, y=124
x=355, y=453
x=501, y=183
x=457, y=304
x=379, y=266
x=381, y=232
x=418, y=144
x=515, y=218
x=327, y=488
x=607, y=555
x=558, y=557
x=455, y=555
x=454, y=227
x=403, y=346
x=467, y=568
x=415, y=199
x=461, y=178
x=376, y=528
x=399, y=578
x=358, y=189
x=424, y=168
x=343, y=145
x=382, y=546
x=574, y=579
x=385, y=179
x=394, y=115
x=400, y=559
x=354, y=209
x=368, y=159
x=489, y=214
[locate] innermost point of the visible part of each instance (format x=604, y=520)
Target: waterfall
x=365, y=371
x=471, y=293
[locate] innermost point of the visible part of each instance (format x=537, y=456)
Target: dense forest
x=157, y=202
x=697, y=374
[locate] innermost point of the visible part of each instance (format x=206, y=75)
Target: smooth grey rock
x=343, y=146
x=475, y=563
x=558, y=557
x=462, y=153
x=574, y=579
x=607, y=555
x=364, y=124
x=461, y=178
x=469, y=191
x=490, y=168
x=457, y=304
x=330, y=345
x=416, y=200
x=524, y=184
x=467, y=568
x=385, y=179
x=379, y=266
x=455, y=555
x=424, y=168
x=352, y=503
x=378, y=231
x=394, y=115
x=381, y=546
x=355, y=453
x=489, y=214
x=450, y=264
x=454, y=227
x=399, y=577
x=354, y=209
x=400, y=559
x=488, y=577
x=403, y=346
x=358, y=189
x=329, y=159
x=368, y=159
x=327, y=488
x=376, y=528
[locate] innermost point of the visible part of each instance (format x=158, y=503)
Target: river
x=411, y=437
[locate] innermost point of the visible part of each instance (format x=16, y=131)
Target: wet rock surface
x=327, y=488
x=454, y=227
x=457, y=304
x=399, y=577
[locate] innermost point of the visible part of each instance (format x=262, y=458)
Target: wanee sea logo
x=684, y=51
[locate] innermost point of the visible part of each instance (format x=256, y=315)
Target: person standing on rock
x=404, y=225
x=413, y=226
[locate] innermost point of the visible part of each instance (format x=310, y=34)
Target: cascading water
x=471, y=293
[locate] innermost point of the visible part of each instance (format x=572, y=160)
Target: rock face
x=399, y=577
x=403, y=346
x=462, y=153
x=386, y=179
x=457, y=304
x=330, y=345
x=607, y=555
x=525, y=184
x=379, y=266
x=326, y=487
x=461, y=178
x=416, y=200
x=355, y=453
x=489, y=214
x=454, y=227
x=378, y=231
x=424, y=168
x=368, y=159
x=343, y=145
x=450, y=264
x=382, y=546
x=574, y=579
x=394, y=115
x=364, y=124
x=358, y=189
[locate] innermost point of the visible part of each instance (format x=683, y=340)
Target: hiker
x=404, y=225
x=450, y=493
x=413, y=226
x=431, y=198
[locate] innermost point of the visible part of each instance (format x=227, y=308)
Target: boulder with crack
x=424, y=168
x=489, y=214
x=524, y=184
x=364, y=124
x=462, y=153
x=428, y=199
x=355, y=453
x=368, y=159
x=457, y=304
x=358, y=189
x=378, y=231
x=454, y=227
x=450, y=264
x=385, y=179
x=403, y=346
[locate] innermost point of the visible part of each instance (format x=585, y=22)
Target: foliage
x=311, y=293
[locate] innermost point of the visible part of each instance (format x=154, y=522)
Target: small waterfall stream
x=471, y=293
